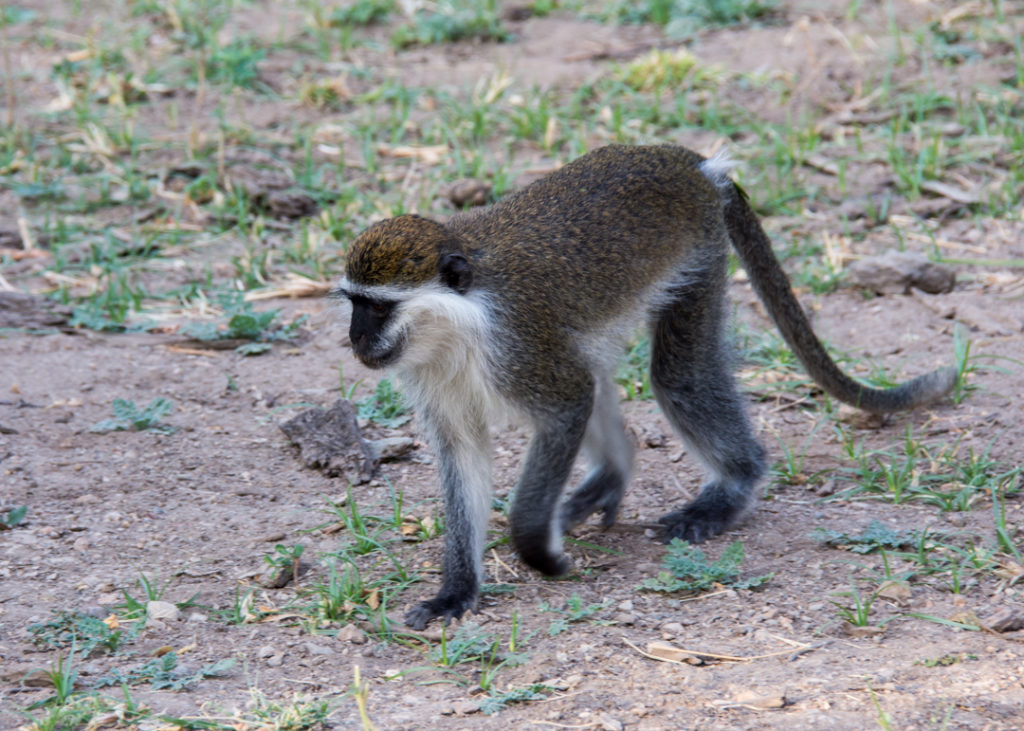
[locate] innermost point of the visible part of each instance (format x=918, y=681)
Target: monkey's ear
x=455, y=272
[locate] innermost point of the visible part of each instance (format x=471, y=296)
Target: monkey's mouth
x=377, y=356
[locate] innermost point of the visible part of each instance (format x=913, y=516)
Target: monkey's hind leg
x=609, y=451
x=535, y=522
x=692, y=381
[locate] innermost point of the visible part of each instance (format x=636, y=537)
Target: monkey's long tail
x=773, y=287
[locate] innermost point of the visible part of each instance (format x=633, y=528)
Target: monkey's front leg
x=464, y=458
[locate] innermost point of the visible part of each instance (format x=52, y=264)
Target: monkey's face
x=410, y=327
x=378, y=338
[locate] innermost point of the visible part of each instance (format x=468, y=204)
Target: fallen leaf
x=895, y=591
x=869, y=630
x=754, y=699
x=671, y=653
x=950, y=191
x=373, y=599
x=156, y=609
x=427, y=154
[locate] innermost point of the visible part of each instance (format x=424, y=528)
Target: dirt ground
x=200, y=507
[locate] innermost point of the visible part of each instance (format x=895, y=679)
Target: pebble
x=266, y=651
x=351, y=633
x=670, y=630
x=156, y=609
x=461, y=708
x=609, y=723
x=314, y=649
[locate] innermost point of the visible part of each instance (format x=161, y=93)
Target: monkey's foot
x=448, y=607
x=547, y=563
x=690, y=525
x=601, y=492
x=719, y=505
x=678, y=524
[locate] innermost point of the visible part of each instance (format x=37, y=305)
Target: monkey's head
x=398, y=276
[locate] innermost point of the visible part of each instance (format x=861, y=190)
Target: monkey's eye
x=380, y=308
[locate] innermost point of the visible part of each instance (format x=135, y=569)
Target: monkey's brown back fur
x=591, y=236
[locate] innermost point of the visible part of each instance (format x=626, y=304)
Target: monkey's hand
x=446, y=606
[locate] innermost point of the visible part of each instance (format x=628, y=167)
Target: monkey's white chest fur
x=444, y=370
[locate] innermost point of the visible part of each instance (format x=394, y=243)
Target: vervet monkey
x=525, y=307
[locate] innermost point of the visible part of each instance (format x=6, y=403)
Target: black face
x=369, y=318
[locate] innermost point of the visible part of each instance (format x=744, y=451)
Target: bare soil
x=200, y=507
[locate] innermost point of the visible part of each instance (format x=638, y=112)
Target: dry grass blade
x=294, y=286
x=710, y=655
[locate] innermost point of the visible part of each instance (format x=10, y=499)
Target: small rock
x=626, y=618
x=160, y=610
x=462, y=708
x=23, y=310
x=897, y=271
x=275, y=660
x=280, y=577
x=609, y=723
x=828, y=487
x=290, y=204
x=468, y=192
x=10, y=238
x=351, y=633
x=626, y=606
x=989, y=320
x=654, y=440
x=391, y=449
x=671, y=629
x=266, y=651
x=26, y=675
x=330, y=441
x=312, y=648
x=1005, y=620
x=861, y=419
x=956, y=519
x=516, y=13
